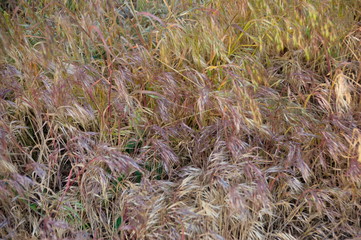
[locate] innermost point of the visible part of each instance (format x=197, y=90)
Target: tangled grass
x=179, y=119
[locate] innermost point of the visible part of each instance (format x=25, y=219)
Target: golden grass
x=178, y=119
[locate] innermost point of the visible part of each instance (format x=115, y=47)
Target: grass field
x=180, y=119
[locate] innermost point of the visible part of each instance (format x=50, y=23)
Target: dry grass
x=177, y=119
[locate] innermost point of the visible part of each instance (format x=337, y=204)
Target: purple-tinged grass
x=180, y=119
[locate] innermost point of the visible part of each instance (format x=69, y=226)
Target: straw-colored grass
x=178, y=119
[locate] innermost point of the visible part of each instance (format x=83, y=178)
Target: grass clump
x=180, y=119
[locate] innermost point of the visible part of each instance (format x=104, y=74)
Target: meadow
x=180, y=119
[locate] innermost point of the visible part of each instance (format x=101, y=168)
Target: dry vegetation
x=180, y=119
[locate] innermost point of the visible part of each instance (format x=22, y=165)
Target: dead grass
x=180, y=119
